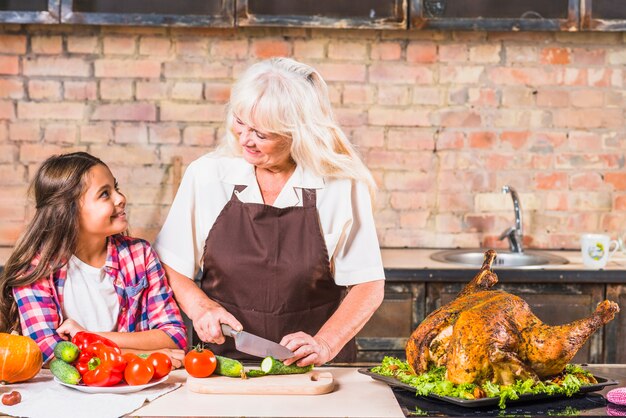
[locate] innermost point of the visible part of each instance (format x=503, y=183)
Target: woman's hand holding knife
x=207, y=324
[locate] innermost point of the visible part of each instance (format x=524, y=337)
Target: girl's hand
x=176, y=355
x=69, y=328
x=307, y=349
x=208, y=325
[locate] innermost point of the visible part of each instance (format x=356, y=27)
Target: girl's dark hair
x=51, y=234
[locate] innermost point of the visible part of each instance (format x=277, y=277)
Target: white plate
x=119, y=388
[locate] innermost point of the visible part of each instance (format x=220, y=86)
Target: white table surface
x=355, y=395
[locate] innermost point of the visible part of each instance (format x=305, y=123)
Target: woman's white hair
x=281, y=96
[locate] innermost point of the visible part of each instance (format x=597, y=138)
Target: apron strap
x=238, y=188
x=308, y=198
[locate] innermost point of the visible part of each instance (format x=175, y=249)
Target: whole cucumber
x=66, y=373
x=66, y=351
x=228, y=367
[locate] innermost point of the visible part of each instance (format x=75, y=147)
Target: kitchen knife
x=255, y=345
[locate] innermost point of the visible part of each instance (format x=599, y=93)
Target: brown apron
x=269, y=268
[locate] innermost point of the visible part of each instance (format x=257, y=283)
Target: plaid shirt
x=146, y=300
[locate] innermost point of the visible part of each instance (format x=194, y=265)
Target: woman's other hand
x=69, y=328
x=307, y=349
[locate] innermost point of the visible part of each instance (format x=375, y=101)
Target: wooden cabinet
x=409, y=300
x=387, y=331
x=214, y=13
x=615, y=331
x=553, y=15
x=29, y=11
x=374, y=14
x=603, y=15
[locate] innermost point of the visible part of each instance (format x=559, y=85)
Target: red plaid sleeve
x=163, y=312
x=150, y=299
x=39, y=314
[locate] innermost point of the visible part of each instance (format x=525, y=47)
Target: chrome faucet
x=515, y=233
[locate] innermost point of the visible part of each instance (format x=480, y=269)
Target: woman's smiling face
x=262, y=150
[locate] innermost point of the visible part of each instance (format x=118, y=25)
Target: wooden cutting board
x=311, y=383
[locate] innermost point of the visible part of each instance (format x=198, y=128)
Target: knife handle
x=227, y=330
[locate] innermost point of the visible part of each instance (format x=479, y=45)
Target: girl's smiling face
x=102, y=206
x=262, y=150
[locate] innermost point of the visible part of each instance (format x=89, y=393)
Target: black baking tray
x=485, y=402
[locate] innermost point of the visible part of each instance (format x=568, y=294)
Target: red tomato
x=130, y=357
x=200, y=362
x=162, y=364
x=138, y=372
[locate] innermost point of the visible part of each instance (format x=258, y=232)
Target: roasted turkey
x=491, y=335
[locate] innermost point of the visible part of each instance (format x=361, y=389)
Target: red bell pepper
x=100, y=362
x=105, y=367
x=83, y=338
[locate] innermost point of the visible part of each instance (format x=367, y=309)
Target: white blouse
x=344, y=207
x=89, y=297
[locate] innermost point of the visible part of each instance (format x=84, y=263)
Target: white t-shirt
x=344, y=207
x=89, y=297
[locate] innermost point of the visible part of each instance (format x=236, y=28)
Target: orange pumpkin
x=20, y=358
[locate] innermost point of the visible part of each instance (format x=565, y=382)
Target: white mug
x=596, y=250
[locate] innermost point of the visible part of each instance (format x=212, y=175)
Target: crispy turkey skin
x=491, y=335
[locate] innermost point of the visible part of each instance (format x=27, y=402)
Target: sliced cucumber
x=255, y=373
x=270, y=365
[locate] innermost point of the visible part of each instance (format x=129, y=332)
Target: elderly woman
x=279, y=218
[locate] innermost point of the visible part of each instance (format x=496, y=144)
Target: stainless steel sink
x=475, y=257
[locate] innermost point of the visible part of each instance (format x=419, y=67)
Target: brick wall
x=443, y=119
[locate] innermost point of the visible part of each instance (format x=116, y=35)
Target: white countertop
x=355, y=395
x=419, y=258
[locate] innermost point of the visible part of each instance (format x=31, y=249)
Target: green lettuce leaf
x=434, y=382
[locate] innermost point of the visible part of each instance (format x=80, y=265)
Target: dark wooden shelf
x=527, y=15
x=206, y=13
x=510, y=275
x=371, y=14
x=29, y=11
x=483, y=15
x=603, y=15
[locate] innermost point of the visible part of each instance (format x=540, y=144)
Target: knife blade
x=255, y=345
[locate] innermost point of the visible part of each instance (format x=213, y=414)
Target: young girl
x=74, y=268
